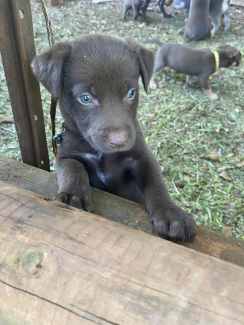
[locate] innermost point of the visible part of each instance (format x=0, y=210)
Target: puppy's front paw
x=77, y=197
x=174, y=224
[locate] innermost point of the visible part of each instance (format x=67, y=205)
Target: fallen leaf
x=225, y=176
x=213, y=156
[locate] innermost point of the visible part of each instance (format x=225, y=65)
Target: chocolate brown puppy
x=200, y=63
x=96, y=81
x=198, y=24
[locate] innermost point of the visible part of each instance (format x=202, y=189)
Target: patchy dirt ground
x=199, y=143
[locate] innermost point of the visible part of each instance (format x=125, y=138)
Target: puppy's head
x=96, y=81
x=229, y=56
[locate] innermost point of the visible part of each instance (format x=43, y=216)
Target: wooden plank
x=118, y=209
x=66, y=266
x=17, y=50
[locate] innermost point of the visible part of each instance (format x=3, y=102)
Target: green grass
x=199, y=143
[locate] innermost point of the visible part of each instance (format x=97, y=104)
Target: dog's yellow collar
x=216, y=59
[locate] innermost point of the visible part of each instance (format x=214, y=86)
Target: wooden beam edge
x=118, y=209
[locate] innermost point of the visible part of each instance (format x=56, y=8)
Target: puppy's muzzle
x=115, y=137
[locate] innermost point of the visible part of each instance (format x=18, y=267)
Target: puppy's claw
x=176, y=230
x=83, y=202
x=160, y=227
x=63, y=197
x=86, y=203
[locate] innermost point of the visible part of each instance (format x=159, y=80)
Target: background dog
x=200, y=63
x=138, y=7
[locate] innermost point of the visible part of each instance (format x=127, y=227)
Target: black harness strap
x=53, y=109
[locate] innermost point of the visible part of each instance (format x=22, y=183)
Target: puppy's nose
x=117, y=137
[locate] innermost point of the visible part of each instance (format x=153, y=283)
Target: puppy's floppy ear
x=48, y=67
x=145, y=59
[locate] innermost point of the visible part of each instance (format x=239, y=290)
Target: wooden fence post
x=17, y=50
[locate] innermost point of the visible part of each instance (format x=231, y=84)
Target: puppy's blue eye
x=85, y=99
x=131, y=94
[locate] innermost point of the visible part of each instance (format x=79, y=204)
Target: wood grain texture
x=17, y=50
x=117, y=209
x=63, y=266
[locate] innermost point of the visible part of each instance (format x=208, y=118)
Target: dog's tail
x=159, y=54
x=159, y=60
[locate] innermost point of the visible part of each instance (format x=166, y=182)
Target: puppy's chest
x=109, y=173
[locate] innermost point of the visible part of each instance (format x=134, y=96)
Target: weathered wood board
x=117, y=209
x=62, y=266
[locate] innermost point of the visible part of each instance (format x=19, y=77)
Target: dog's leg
x=226, y=19
x=135, y=9
x=162, y=9
x=168, y=220
x=126, y=9
x=144, y=7
x=226, y=14
x=216, y=22
x=73, y=184
x=204, y=82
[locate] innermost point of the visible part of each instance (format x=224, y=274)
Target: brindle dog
x=139, y=8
